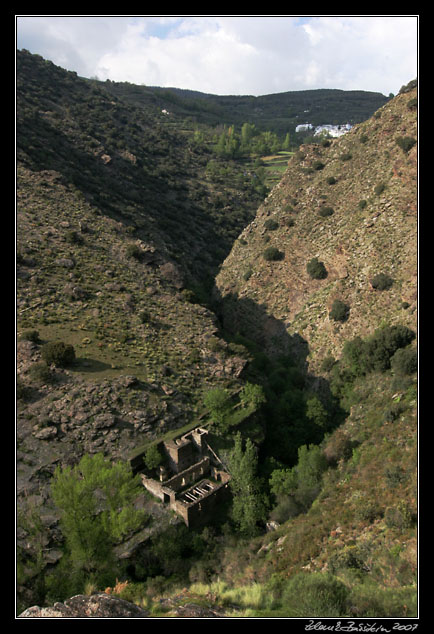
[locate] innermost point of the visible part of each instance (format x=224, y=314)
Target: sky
x=231, y=55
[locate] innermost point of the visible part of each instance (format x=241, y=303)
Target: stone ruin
x=194, y=481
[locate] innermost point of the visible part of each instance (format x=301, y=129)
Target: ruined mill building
x=193, y=481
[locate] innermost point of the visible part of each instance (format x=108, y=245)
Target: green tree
x=339, y=311
x=249, y=504
x=302, y=482
x=252, y=395
x=287, y=142
x=153, y=457
x=219, y=403
x=96, y=500
x=248, y=131
x=316, y=412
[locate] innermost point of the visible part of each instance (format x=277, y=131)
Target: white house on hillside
x=332, y=130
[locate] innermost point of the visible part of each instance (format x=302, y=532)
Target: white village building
x=332, y=130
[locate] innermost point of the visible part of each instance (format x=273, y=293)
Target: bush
x=371, y=600
x=405, y=143
x=398, y=516
x=404, y=361
x=133, y=251
x=412, y=104
x=339, y=311
x=381, y=282
x=271, y=225
x=273, y=254
x=326, y=211
x=339, y=447
x=318, y=165
x=72, y=237
x=315, y=595
x=379, y=189
x=144, y=316
x=58, y=353
x=331, y=180
x=328, y=363
x=362, y=204
x=31, y=335
x=374, y=354
x=41, y=373
x=316, y=269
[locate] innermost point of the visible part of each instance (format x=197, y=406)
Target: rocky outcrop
x=99, y=606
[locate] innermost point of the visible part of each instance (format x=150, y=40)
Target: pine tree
x=96, y=500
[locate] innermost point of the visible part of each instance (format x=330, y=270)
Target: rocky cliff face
x=350, y=203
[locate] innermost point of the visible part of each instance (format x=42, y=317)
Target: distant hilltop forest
x=279, y=113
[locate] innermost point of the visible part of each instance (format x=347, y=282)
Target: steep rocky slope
x=101, y=267
x=351, y=204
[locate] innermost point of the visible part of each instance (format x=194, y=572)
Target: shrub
x=381, y=282
x=144, y=316
x=374, y=601
x=339, y=311
x=393, y=412
x=383, y=345
x=326, y=211
x=405, y=143
x=379, y=189
x=271, y=225
x=22, y=390
x=58, y=353
x=133, y=251
x=352, y=557
x=72, y=237
x=412, y=103
x=398, y=516
x=346, y=157
x=404, y=361
x=285, y=509
x=318, y=165
x=395, y=476
x=331, y=180
x=339, y=447
x=31, y=335
x=316, y=269
x=328, y=363
x=41, y=373
x=374, y=354
x=315, y=595
x=362, y=204
x=272, y=254
x=368, y=511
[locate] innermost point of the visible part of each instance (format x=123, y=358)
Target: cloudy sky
x=231, y=55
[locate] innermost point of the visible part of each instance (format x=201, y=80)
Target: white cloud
x=231, y=55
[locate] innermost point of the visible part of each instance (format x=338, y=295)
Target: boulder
x=100, y=606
